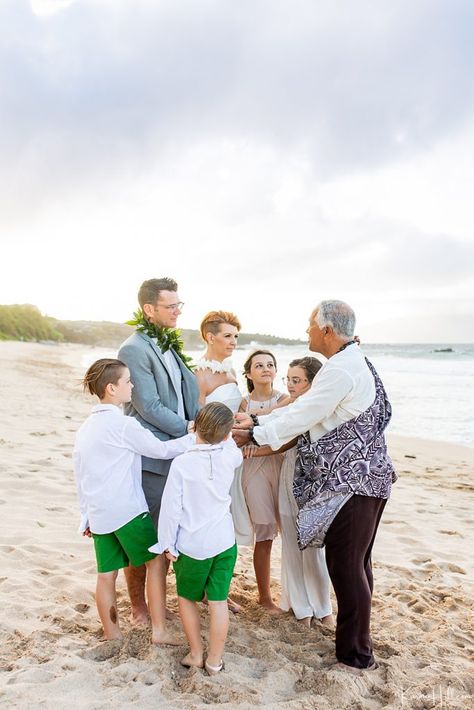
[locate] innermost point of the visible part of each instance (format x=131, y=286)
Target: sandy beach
x=51, y=653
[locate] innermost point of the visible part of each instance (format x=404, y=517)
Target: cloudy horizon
x=267, y=155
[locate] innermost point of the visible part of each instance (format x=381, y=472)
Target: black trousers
x=349, y=542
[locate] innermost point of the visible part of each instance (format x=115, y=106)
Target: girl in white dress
x=305, y=584
x=217, y=382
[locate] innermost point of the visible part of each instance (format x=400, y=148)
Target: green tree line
x=26, y=322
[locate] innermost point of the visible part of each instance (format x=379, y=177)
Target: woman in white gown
x=217, y=382
x=305, y=583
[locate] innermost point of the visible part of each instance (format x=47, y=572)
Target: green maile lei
x=167, y=338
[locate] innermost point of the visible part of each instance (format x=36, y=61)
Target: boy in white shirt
x=196, y=531
x=107, y=463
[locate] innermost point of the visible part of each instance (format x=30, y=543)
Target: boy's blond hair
x=214, y=422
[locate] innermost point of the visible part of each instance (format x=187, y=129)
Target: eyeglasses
x=293, y=380
x=173, y=306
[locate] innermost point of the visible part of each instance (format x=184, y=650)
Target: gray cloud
x=101, y=88
x=399, y=257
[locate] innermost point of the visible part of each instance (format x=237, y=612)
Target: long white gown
x=305, y=583
x=229, y=394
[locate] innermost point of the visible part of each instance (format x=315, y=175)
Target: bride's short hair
x=212, y=322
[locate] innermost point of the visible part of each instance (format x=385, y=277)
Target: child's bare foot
x=305, y=622
x=116, y=637
x=272, y=608
x=193, y=660
x=328, y=621
x=165, y=638
x=214, y=670
x=233, y=606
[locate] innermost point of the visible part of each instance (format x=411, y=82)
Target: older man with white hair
x=343, y=474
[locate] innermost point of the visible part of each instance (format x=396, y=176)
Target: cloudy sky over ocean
x=267, y=154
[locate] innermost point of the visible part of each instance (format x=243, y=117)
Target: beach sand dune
x=51, y=653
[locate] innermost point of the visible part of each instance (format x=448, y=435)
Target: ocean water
x=432, y=393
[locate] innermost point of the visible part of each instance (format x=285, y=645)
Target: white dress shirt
x=175, y=374
x=195, y=514
x=343, y=388
x=107, y=462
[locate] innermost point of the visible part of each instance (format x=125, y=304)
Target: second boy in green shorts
x=196, y=531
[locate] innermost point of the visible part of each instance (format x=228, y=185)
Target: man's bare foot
x=305, y=622
x=328, y=621
x=164, y=638
x=193, y=660
x=353, y=670
x=139, y=616
x=272, y=608
x=119, y=637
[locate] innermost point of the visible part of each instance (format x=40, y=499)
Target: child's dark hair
x=102, y=373
x=311, y=365
x=248, y=365
x=213, y=422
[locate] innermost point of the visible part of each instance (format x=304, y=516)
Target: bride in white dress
x=217, y=382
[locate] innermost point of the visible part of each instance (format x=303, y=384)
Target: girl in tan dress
x=261, y=476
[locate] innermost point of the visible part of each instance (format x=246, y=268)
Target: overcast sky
x=265, y=154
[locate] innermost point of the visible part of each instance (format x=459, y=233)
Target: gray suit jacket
x=154, y=400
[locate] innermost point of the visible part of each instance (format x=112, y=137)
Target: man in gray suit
x=164, y=400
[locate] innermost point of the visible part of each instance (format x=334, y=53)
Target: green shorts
x=127, y=545
x=212, y=576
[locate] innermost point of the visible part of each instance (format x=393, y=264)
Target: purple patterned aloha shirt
x=350, y=460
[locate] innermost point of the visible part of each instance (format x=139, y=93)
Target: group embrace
x=197, y=468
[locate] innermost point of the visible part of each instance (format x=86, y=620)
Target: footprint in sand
x=420, y=608
x=385, y=650
x=31, y=675
x=5, y=442
x=420, y=560
x=463, y=640
x=428, y=625
x=450, y=532
x=404, y=597
x=82, y=608
x=456, y=569
x=103, y=651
